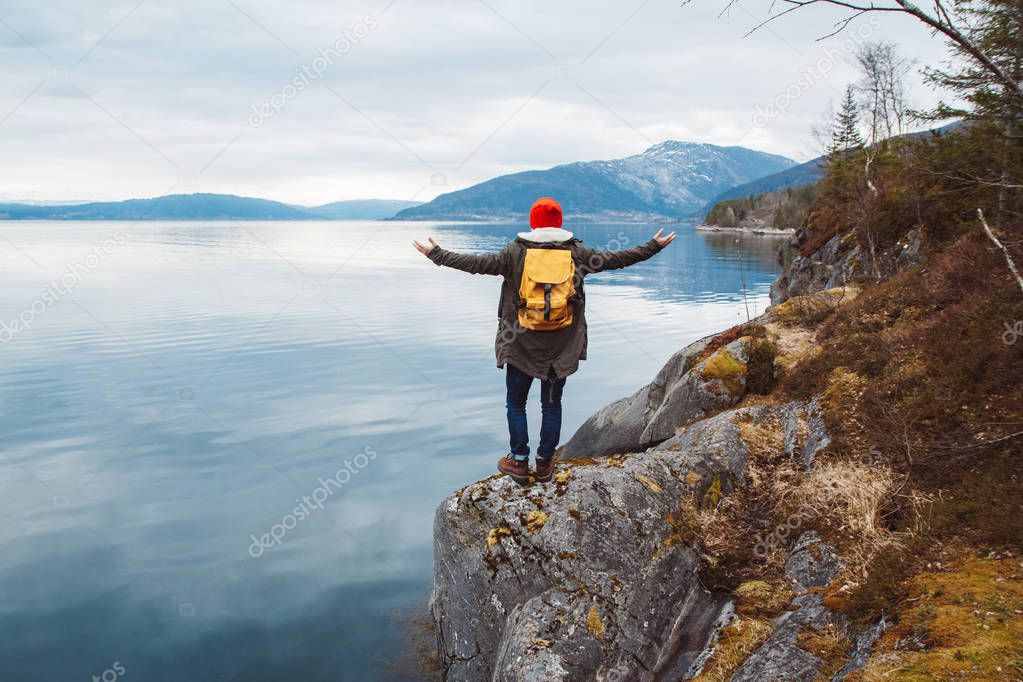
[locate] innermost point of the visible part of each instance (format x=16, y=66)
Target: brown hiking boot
x=518, y=470
x=544, y=469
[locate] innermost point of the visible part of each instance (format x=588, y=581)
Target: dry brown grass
x=811, y=309
x=922, y=402
x=919, y=384
x=737, y=641
x=830, y=644
x=759, y=598
x=793, y=343
x=846, y=502
x=915, y=379
x=764, y=439
x=721, y=532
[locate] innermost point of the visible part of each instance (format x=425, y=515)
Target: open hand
x=424, y=249
x=662, y=241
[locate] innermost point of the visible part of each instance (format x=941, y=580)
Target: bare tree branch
x=1005, y=251
x=941, y=21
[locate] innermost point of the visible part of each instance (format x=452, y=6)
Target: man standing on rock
x=541, y=320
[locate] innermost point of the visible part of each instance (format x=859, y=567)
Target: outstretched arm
x=595, y=260
x=486, y=264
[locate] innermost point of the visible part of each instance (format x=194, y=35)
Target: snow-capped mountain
x=668, y=181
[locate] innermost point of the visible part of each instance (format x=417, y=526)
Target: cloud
x=122, y=99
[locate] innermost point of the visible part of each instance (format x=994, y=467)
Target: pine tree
x=846, y=134
x=996, y=28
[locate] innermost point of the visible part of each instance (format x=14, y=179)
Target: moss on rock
x=737, y=641
x=965, y=623
x=760, y=598
x=726, y=368
x=594, y=624
x=535, y=520
x=495, y=535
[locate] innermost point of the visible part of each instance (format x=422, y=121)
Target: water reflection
x=207, y=377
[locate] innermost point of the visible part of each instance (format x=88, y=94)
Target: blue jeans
x=518, y=383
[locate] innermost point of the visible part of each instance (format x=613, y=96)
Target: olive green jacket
x=538, y=352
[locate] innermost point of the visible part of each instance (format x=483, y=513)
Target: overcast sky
x=311, y=101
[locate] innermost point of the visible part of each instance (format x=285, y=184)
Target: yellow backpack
x=548, y=284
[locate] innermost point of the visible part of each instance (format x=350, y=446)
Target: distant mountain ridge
x=666, y=182
x=362, y=209
x=201, y=206
x=797, y=176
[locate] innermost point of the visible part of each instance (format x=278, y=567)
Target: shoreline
x=766, y=231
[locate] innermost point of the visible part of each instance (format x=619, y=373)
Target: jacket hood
x=546, y=235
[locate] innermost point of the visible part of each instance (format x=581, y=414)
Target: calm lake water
x=191, y=384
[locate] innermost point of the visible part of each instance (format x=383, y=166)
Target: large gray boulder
x=697, y=381
x=616, y=428
x=714, y=383
x=591, y=576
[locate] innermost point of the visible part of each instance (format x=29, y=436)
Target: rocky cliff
x=597, y=574
x=841, y=259
x=775, y=504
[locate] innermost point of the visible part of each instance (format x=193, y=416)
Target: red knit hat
x=545, y=213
